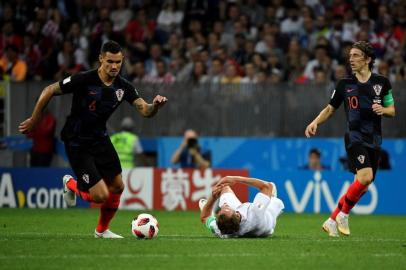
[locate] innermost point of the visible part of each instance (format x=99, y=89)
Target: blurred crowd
x=200, y=41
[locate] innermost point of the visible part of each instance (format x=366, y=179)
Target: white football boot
x=330, y=227
x=342, y=223
x=107, y=234
x=202, y=203
x=68, y=195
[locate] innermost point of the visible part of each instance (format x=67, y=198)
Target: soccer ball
x=145, y=226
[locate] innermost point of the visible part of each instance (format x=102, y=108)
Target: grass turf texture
x=63, y=239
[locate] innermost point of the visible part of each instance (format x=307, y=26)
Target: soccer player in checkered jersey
x=96, y=94
x=367, y=97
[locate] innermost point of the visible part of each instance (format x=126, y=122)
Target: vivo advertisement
x=178, y=189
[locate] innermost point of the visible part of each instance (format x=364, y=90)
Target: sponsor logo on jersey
x=349, y=90
x=65, y=81
x=93, y=93
x=377, y=89
x=361, y=159
x=119, y=94
x=86, y=178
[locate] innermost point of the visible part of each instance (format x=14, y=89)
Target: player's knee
x=365, y=177
x=117, y=188
x=101, y=196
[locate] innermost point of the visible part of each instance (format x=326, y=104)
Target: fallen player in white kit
x=235, y=219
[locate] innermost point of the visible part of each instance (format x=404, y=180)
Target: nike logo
x=92, y=93
x=350, y=90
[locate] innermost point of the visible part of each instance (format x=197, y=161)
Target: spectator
x=71, y=60
x=321, y=59
x=140, y=32
x=128, y=145
x=189, y=153
x=32, y=56
x=231, y=76
x=314, y=162
x=78, y=39
x=320, y=76
x=121, y=16
x=9, y=37
x=99, y=39
x=11, y=65
x=138, y=74
x=43, y=141
x=339, y=72
x=255, y=12
x=397, y=70
x=169, y=19
x=199, y=73
x=162, y=75
x=249, y=73
x=216, y=71
x=292, y=25
x=155, y=55
x=276, y=76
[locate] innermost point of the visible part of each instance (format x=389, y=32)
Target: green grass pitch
x=63, y=239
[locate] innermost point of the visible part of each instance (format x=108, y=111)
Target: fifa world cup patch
x=119, y=94
x=377, y=89
x=65, y=81
x=86, y=178
x=361, y=159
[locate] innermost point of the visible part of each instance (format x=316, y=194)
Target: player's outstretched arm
x=325, y=114
x=208, y=207
x=263, y=186
x=149, y=110
x=46, y=95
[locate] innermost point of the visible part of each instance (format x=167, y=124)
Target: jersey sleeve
x=337, y=96
x=130, y=93
x=211, y=225
x=387, y=94
x=71, y=84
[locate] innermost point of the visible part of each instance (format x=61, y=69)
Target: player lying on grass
x=236, y=219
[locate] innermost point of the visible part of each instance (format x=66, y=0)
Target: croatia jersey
x=92, y=104
x=363, y=125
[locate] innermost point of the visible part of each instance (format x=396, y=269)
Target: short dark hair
x=315, y=151
x=228, y=225
x=111, y=47
x=367, y=49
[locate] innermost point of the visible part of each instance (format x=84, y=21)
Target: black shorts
x=93, y=162
x=360, y=157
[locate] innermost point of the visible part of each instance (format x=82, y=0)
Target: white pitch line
x=160, y=255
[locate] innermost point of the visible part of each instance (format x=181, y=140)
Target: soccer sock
x=338, y=208
x=107, y=211
x=72, y=185
x=354, y=193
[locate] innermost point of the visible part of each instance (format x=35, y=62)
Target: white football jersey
x=258, y=219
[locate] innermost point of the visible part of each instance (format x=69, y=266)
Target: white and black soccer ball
x=145, y=226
